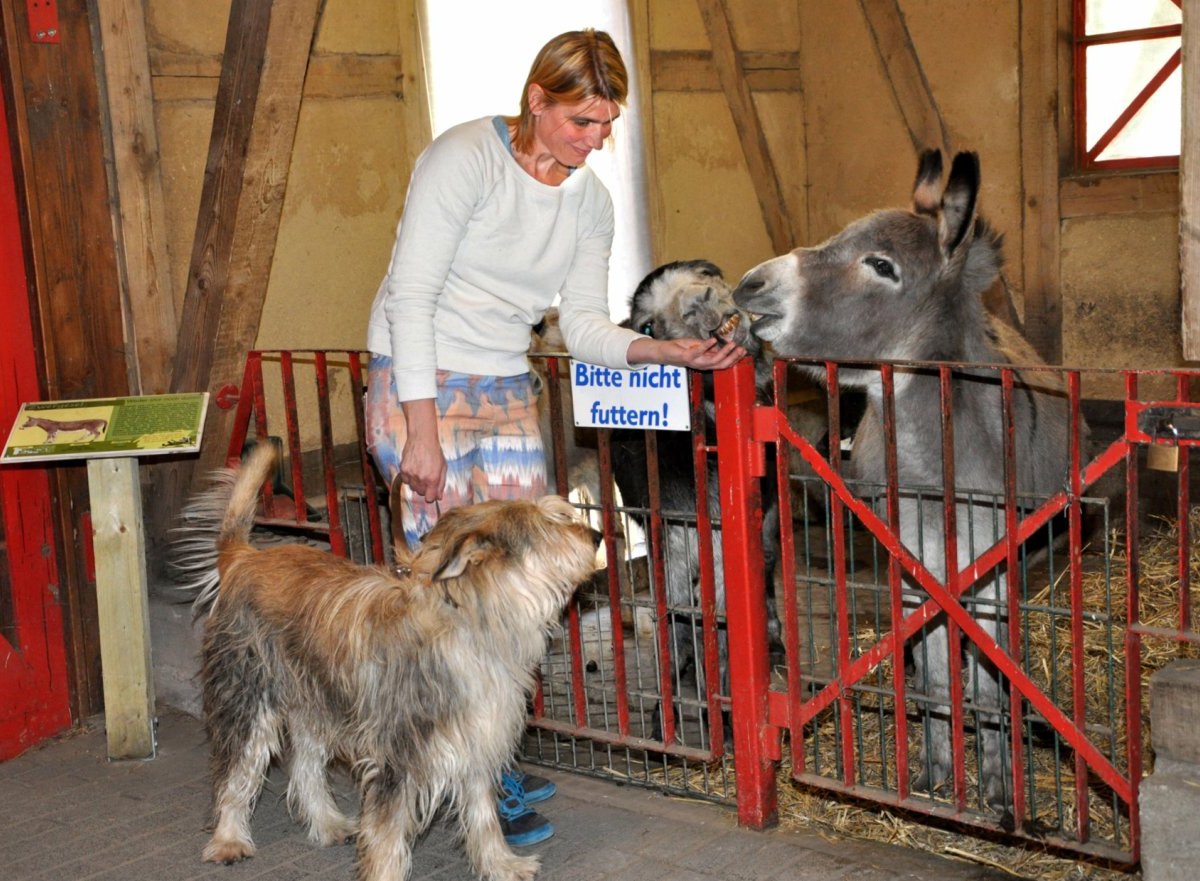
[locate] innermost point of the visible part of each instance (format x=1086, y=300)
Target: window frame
x=1085, y=159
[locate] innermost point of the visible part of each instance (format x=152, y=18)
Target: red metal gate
x=1091, y=804
x=836, y=708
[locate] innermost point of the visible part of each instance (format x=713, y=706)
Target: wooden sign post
x=111, y=434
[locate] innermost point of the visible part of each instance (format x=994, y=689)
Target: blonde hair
x=571, y=68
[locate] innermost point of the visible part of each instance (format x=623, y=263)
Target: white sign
x=655, y=397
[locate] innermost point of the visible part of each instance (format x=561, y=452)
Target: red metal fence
x=636, y=685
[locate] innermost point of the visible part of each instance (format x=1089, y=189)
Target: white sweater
x=480, y=253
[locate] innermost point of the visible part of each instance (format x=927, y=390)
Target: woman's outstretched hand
x=709, y=354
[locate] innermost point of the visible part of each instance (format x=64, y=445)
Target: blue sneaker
x=528, y=787
x=520, y=825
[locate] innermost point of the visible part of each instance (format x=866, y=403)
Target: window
x=479, y=53
x=1128, y=83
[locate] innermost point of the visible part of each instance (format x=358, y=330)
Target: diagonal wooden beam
x=267, y=49
x=254, y=127
x=728, y=63
x=902, y=70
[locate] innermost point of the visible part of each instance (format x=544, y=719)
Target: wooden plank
x=1189, y=188
x=124, y=607
x=694, y=71
x=749, y=128
x=643, y=65
x=254, y=127
x=180, y=76
x=904, y=75
x=64, y=192
x=1119, y=194
x=1041, y=308
x=141, y=223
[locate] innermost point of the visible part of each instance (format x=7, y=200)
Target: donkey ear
x=927, y=190
x=467, y=551
x=959, y=203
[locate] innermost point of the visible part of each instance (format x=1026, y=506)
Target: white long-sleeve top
x=481, y=251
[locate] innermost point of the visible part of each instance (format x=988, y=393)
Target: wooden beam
x=753, y=139
x=123, y=604
x=643, y=64
x=1039, y=50
x=1118, y=194
x=80, y=335
x=1189, y=187
x=186, y=76
x=902, y=70
x=694, y=71
x=254, y=126
x=140, y=208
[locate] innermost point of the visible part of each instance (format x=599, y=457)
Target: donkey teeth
x=725, y=331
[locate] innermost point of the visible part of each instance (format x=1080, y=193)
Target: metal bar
x=1183, y=518
x=977, y=821
x=842, y=624
x=1075, y=564
x=950, y=561
x=614, y=559
x=1133, y=644
x=787, y=580
x=293, y=434
x=663, y=616
x=261, y=432
x=364, y=457
x=241, y=419
x=337, y=538
x=708, y=594
x=745, y=597
x=600, y=735
x=895, y=575
x=1014, y=585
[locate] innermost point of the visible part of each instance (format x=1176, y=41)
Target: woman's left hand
x=709, y=354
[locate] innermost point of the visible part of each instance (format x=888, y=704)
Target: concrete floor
x=66, y=812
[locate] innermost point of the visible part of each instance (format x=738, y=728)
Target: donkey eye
x=883, y=268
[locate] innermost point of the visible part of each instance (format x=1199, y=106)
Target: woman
x=502, y=215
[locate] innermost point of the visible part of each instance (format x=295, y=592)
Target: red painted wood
x=34, y=698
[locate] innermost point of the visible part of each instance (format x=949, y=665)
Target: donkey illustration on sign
x=90, y=429
x=907, y=286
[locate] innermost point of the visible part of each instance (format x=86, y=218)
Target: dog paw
x=227, y=852
x=335, y=834
x=513, y=868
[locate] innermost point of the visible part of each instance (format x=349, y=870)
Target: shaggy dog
x=417, y=678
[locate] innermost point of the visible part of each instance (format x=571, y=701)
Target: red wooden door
x=33, y=671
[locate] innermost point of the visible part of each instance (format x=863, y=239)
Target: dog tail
x=216, y=519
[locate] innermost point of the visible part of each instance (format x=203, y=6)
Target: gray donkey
x=907, y=286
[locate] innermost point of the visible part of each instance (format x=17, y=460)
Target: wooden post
x=728, y=62
x=903, y=73
x=140, y=206
x=263, y=68
x=123, y=607
x=1189, y=186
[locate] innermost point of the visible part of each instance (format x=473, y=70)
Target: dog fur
x=416, y=678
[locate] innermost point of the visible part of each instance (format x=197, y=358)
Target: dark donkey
x=908, y=286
